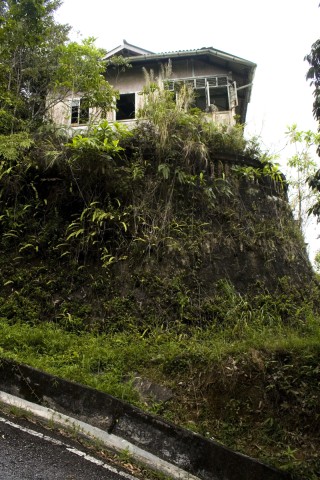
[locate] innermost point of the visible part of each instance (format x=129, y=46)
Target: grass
x=93, y=358
x=253, y=387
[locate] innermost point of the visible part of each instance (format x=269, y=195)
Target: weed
x=19, y=412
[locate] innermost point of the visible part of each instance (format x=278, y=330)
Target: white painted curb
x=111, y=441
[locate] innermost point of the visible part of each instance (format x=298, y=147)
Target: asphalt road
x=30, y=452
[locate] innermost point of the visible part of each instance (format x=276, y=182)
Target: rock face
x=242, y=231
x=254, y=238
x=155, y=247
x=238, y=232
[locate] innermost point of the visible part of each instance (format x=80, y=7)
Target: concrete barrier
x=193, y=453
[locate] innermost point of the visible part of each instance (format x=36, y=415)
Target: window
x=126, y=107
x=211, y=93
x=79, y=111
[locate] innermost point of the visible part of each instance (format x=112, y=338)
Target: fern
x=11, y=146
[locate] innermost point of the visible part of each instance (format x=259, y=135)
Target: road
x=30, y=452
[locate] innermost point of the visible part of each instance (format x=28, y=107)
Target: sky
x=275, y=34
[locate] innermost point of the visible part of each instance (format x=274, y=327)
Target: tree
x=314, y=76
x=81, y=71
x=302, y=167
x=29, y=38
x=40, y=67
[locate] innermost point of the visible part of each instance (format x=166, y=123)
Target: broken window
x=79, y=111
x=126, y=107
x=211, y=93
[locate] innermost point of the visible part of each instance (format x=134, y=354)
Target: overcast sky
x=275, y=34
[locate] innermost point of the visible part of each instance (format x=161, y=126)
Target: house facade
x=221, y=82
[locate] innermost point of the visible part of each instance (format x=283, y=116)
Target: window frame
x=77, y=116
x=208, y=85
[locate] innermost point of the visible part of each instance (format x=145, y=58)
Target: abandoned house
x=222, y=84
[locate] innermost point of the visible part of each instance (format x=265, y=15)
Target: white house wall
x=132, y=81
x=60, y=113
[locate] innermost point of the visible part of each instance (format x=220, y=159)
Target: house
x=222, y=84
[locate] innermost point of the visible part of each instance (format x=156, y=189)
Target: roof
x=135, y=54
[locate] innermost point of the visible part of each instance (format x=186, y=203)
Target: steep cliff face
x=155, y=231
x=238, y=229
x=180, y=264
x=252, y=238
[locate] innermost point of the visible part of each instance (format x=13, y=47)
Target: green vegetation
x=251, y=382
x=313, y=75
x=104, y=276
x=168, y=251
x=302, y=168
x=39, y=67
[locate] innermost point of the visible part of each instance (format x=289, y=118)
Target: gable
x=126, y=50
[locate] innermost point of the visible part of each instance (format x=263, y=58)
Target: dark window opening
x=126, y=107
x=200, y=100
x=74, y=114
x=79, y=111
x=219, y=98
x=211, y=99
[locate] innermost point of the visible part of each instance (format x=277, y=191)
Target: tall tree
x=40, y=67
x=314, y=75
x=29, y=38
x=302, y=167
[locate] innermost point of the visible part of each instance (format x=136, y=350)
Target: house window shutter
x=212, y=81
x=222, y=81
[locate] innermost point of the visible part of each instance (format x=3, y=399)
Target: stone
x=150, y=391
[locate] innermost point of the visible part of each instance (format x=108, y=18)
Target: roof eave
x=204, y=51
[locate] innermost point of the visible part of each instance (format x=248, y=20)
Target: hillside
x=167, y=252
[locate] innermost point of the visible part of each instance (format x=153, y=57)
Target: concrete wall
x=197, y=455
